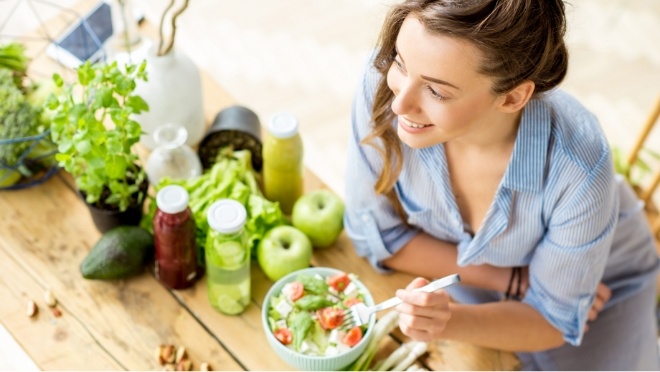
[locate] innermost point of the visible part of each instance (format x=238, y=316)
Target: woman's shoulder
x=575, y=130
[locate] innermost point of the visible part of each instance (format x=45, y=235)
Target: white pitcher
x=174, y=95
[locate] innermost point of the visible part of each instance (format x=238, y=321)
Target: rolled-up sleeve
x=570, y=260
x=371, y=222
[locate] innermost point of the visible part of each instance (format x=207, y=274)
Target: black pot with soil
x=235, y=126
x=106, y=217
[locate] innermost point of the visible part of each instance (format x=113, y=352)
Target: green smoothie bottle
x=227, y=257
x=283, y=161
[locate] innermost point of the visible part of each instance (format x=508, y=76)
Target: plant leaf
x=57, y=79
x=85, y=73
x=137, y=104
x=115, y=166
x=83, y=147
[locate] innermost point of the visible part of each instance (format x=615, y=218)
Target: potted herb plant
x=94, y=132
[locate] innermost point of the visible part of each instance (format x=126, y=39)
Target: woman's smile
x=411, y=126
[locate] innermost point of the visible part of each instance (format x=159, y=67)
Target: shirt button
x=365, y=217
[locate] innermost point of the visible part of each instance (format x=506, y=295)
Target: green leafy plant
x=18, y=119
x=13, y=57
x=25, y=147
x=636, y=172
x=94, y=133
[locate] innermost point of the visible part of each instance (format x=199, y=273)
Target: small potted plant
x=93, y=129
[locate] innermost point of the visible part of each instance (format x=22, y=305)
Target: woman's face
x=439, y=95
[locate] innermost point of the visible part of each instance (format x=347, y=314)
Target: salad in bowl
x=303, y=314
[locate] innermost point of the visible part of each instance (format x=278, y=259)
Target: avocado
x=121, y=252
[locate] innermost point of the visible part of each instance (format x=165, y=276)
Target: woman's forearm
x=507, y=325
x=432, y=258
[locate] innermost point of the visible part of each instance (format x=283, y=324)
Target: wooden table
x=46, y=231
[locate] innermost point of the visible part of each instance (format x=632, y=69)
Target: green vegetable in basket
x=13, y=58
x=18, y=119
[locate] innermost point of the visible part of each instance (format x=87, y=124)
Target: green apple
x=320, y=215
x=283, y=250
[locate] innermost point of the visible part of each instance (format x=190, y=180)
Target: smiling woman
x=464, y=159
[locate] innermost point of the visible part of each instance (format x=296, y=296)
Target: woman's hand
x=423, y=316
x=603, y=294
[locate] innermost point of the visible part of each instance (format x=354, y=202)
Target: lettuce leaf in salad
x=300, y=324
x=272, y=313
x=319, y=337
x=271, y=324
x=312, y=302
x=313, y=284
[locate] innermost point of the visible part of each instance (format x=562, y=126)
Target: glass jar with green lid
x=227, y=257
x=283, y=161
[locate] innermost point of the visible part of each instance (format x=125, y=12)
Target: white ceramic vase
x=174, y=95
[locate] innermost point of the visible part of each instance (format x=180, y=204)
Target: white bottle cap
x=283, y=125
x=226, y=216
x=172, y=199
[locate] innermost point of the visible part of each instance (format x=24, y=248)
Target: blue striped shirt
x=559, y=209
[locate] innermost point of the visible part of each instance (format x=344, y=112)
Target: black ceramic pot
x=106, y=219
x=235, y=126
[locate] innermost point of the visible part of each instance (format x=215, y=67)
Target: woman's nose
x=405, y=101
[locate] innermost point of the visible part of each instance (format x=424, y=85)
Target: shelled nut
x=32, y=309
x=169, y=367
x=56, y=312
x=180, y=354
x=184, y=365
x=159, y=355
x=205, y=367
x=50, y=299
x=168, y=354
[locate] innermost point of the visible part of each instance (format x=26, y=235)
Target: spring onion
x=383, y=327
x=418, y=350
x=396, y=357
x=415, y=367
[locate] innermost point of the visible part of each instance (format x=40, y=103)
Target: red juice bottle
x=174, y=239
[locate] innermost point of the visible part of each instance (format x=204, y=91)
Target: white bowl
x=309, y=362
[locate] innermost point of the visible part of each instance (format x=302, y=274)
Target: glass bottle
x=227, y=257
x=126, y=45
x=174, y=239
x=172, y=157
x=283, y=161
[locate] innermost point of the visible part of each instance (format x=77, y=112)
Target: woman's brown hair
x=519, y=40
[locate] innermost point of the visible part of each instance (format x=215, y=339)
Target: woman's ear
x=517, y=98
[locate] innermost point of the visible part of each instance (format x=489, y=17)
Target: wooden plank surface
x=54, y=343
x=46, y=232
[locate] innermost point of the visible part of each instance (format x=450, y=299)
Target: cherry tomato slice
x=339, y=281
x=330, y=318
x=297, y=290
x=283, y=335
x=351, y=301
x=353, y=336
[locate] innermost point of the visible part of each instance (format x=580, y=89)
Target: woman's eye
x=434, y=93
x=399, y=65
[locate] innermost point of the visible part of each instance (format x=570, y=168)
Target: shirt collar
x=527, y=166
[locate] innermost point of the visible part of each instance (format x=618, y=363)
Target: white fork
x=359, y=313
